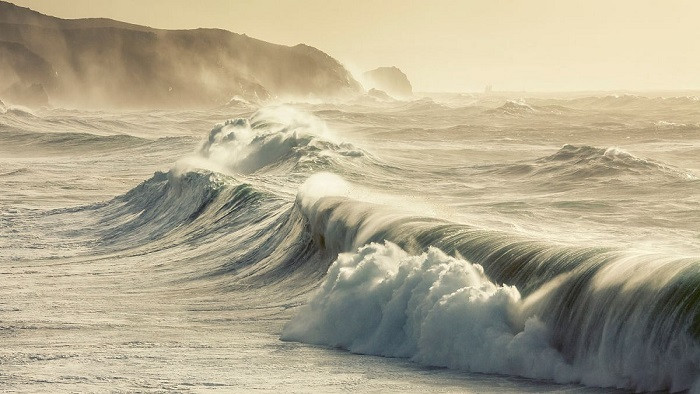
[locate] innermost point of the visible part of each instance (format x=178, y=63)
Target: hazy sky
x=456, y=45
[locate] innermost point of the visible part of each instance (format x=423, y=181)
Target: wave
x=16, y=111
x=630, y=101
x=664, y=125
x=444, y=311
x=513, y=108
x=520, y=108
x=18, y=172
x=374, y=97
x=587, y=161
x=160, y=204
x=229, y=232
x=239, y=102
x=375, y=100
x=59, y=141
x=274, y=138
x=574, y=163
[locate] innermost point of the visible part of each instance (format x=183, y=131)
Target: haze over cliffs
x=106, y=63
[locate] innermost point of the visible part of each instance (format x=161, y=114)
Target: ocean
x=454, y=242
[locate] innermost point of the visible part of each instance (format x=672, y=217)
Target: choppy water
x=532, y=245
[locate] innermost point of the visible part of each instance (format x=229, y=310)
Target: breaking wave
x=444, y=311
x=597, y=316
x=279, y=137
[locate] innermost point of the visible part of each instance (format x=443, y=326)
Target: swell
x=64, y=141
x=574, y=163
x=629, y=101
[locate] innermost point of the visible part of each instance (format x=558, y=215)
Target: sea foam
x=435, y=309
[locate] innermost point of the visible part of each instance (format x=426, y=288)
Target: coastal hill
x=106, y=63
x=390, y=80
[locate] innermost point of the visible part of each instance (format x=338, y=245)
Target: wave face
x=538, y=244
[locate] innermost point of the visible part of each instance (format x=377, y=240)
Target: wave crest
x=274, y=137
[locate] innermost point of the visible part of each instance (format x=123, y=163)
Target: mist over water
x=516, y=244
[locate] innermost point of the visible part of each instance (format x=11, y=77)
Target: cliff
x=106, y=63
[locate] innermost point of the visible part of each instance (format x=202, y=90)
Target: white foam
x=435, y=309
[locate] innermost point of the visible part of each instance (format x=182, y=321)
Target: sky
x=456, y=46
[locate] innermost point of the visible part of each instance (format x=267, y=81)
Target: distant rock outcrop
x=390, y=80
x=106, y=63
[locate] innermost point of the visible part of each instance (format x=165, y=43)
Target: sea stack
x=390, y=80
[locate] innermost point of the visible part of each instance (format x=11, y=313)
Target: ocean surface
x=449, y=243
